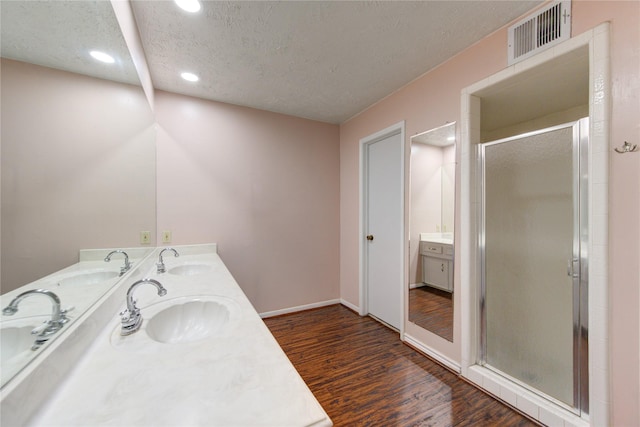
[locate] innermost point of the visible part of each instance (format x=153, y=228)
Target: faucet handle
x=49, y=327
x=131, y=321
x=160, y=267
x=125, y=268
x=125, y=314
x=63, y=314
x=40, y=330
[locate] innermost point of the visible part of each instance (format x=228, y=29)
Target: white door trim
x=597, y=40
x=398, y=128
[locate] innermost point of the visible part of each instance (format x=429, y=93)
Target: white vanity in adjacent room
x=436, y=257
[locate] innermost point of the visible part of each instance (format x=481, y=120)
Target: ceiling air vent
x=540, y=31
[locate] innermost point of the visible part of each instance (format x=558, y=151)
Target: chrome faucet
x=131, y=318
x=127, y=264
x=50, y=327
x=160, y=264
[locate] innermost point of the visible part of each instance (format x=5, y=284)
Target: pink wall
x=263, y=186
x=435, y=98
x=78, y=168
x=427, y=103
x=426, y=198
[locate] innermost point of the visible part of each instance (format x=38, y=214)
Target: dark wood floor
x=432, y=309
x=363, y=375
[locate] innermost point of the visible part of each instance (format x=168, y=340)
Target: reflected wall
x=432, y=176
x=78, y=168
x=431, y=230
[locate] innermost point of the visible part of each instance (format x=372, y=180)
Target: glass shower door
x=531, y=261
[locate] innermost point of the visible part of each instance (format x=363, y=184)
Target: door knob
x=370, y=237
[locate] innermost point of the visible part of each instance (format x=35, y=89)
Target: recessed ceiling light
x=189, y=5
x=101, y=56
x=190, y=77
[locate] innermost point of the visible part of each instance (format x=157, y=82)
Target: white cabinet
x=435, y=272
x=437, y=265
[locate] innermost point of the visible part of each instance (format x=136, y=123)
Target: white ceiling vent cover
x=540, y=31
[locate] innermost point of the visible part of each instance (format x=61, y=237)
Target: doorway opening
x=534, y=237
x=561, y=86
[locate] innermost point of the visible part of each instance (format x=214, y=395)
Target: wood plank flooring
x=432, y=309
x=363, y=375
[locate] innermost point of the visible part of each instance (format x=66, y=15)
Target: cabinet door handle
x=370, y=237
x=442, y=267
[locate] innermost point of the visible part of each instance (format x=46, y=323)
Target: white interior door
x=383, y=227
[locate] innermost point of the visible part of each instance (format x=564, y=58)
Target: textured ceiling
x=442, y=136
x=323, y=60
x=59, y=34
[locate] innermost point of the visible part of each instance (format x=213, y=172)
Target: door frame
x=398, y=128
x=597, y=42
x=579, y=255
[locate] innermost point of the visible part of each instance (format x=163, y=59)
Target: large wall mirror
x=78, y=149
x=432, y=204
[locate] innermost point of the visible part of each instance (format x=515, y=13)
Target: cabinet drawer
x=430, y=248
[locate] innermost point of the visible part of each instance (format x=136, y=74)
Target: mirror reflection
x=432, y=175
x=77, y=164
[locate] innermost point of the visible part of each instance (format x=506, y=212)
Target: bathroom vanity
x=202, y=356
x=436, y=257
x=73, y=290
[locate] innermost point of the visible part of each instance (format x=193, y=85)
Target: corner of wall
x=127, y=22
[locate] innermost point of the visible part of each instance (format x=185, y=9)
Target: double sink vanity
x=187, y=348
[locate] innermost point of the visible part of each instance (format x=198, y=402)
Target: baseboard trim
x=299, y=308
x=350, y=306
x=438, y=357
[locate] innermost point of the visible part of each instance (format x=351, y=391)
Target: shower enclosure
x=534, y=262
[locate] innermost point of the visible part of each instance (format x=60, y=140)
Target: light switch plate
x=145, y=237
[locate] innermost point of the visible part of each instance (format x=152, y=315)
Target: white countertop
x=239, y=377
x=443, y=238
x=75, y=289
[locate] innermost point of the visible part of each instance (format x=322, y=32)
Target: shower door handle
x=573, y=268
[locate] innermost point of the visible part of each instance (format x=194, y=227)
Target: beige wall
x=435, y=98
x=263, y=186
x=78, y=168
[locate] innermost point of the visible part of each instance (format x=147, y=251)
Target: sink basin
x=16, y=338
x=90, y=278
x=183, y=321
x=15, y=344
x=190, y=321
x=190, y=269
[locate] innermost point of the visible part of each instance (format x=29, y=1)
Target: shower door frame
x=577, y=268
